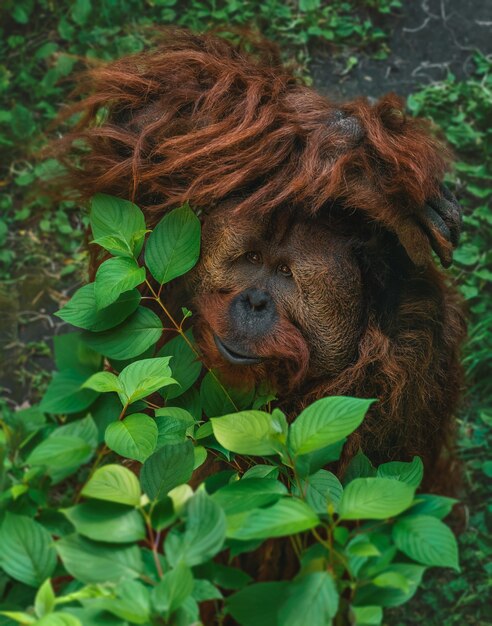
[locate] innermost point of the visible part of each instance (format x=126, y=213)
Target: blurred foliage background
x=347, y=47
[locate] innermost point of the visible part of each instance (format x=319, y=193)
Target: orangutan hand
x=441, y=221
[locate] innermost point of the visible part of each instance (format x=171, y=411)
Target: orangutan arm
x=394, y=170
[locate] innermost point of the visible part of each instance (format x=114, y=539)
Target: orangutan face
x=276, y=298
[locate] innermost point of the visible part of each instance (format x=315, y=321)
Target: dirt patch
x=428, y=40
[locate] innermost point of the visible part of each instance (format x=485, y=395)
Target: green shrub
x=87, y=542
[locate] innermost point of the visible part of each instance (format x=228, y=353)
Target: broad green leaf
x=250, y=432
x=312, y=599
x=359, y=467
x=167, y=468
x=19, y=616
x=84, y=428
x=135, y=437
x=427, y=540
x=387, y=596
x=204, y=533
x=322, y=491
x=326, y=421
x=118, y=224
x=218, y=400
x=361, y=545
x=65, y=393
x=27, y=551
x=173, y=424
x=436, y=506
x=173, y=247
x=258, y=604
x=392, y=579
x=261, y=471
x=60, y=452
x=113, y=483
x=140, y=331
x=59, y=619
x=367, y=615
x=92, y=562
x=81, y=310
x=288, y=516
x=114, y=277
x=172, y=590
x=103, y=382
x=144, y=377
x=106, y=521
x=307, y=464
x=411, y=473
x=185, y=364
x=132, y=603
x=71, y=353
x=244, y=495
x=44, y=601
x=204, y=590
x=375, y=498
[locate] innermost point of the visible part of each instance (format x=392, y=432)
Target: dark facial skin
x=260, y=281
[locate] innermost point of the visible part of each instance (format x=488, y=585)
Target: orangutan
x=319, y=221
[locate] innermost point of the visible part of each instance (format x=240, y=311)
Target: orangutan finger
x=439, y=234
x=449, y=209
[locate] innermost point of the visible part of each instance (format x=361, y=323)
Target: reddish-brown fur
x=198, y=120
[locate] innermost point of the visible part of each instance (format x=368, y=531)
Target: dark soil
x=429, y=39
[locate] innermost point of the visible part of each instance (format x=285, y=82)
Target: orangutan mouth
x=234, y=357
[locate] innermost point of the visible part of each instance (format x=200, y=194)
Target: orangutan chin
x=319, y=222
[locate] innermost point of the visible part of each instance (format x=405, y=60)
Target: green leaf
x=359, y=467
x=367, y=615
x=103, y=382
x=173, y=247
x=60, y=452
x=84, y=428
x=312, y=599
x=167, y=468
x=92, y=562
x=27, y=551
x=173, y=424
x=140, y=331
x=217, y=400
x=81, y=309
x=113, y=483
x=375, y=498
x=106, y=521
x=118, y=224
x=114, y=277
x=135, y=437
x=387, y=596
x=427, y=540
x=326, y=421
x=250, y=432
x=132, y=604
x=172, y=590
x=288, y=516
x=44, y=601
x=436, y=506
x=65, y=393
x=322, y=491
x=244, y=495
x=144, y=377
x=308, y=464
x=204, y=590
x=392, y=579
x=204, y=533
x=185, y=364
x=410, y=473
x=18, y=616
x=59, y=619
x=71, y=353
x=258, y=604
x=261, y=471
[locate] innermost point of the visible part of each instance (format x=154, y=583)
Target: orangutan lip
x=235, y=357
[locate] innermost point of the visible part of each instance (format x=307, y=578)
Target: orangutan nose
x=253, y=313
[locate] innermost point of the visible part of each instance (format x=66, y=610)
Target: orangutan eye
x=253, y=257
x=284, y=270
